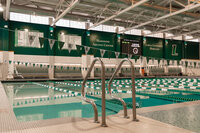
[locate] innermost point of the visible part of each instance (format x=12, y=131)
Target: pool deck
x=116, y=123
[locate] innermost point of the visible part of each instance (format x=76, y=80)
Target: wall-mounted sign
x=131, y=46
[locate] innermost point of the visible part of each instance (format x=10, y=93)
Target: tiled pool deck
x=116, y=123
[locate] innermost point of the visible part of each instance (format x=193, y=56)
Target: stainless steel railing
x=133, y=88
x=103, y=92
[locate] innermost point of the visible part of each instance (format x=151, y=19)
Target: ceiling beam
x=71, y=6
x=175, y=27
x=189, y=7
x=184, y=34
x=6, y=12
x=119, y=13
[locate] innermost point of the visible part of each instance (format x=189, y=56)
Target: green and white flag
x=61, y=44
x=86, y=49
x=94, y=51
x=70, y=46
x=31, y=39
x=102, y=52
x=109, y=54
x=117, y=54
x=51, y=43
x=168, y=61
x=41, y=42
x=79, y=49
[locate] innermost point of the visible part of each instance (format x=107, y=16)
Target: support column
x=166, y=71
x=10, y=65
x=51, y=67
x=184, y=69
x=6, y=68
x=86, y=61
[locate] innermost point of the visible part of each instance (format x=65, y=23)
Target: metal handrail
x=103, y=92
x=133, y=88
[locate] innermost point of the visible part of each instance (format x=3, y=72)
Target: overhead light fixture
x=1, y=8
x=26, y=30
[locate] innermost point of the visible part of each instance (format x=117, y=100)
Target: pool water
x=186, y=117
x=56, y=99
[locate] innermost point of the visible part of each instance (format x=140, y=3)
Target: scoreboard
x=131, y=46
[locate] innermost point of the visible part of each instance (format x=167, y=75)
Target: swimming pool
x=56, y=99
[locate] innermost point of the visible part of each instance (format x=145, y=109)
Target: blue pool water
x=47, y=100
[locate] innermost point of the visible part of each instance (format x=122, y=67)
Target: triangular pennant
x=70, y=46
x=158, y=61
x=136, y=59
x=163, y=62
x=130, y=56
x=172, y=62
x=41, y=42
x=86, y=49
x=31, y=39
x=51, y=43
x=178, y=62
x=153, y=60
x=168, y=62
x=186, y=63
x=109, y=54
x=148, y=58
x=79, y=49
x=94, y=51
x=195, y=64
x=61, y=44
x=117, y=54
x=102, y=51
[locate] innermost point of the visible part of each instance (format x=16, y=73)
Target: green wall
x=101, y=40
x=153, y=47
x=28, y=50
x=191, y=50
x=173, y=49
x=4, y=36
x=69, y=31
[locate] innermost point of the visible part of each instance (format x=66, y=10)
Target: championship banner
x=131, y=46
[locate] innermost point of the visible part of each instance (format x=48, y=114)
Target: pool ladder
x=103, y=102
x=109, y=87
x=133, y=88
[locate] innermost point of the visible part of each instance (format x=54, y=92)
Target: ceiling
x=145, y=16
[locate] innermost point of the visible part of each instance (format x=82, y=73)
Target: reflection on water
x=186, y=117
x=32, y=102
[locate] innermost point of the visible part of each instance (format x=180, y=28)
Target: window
x=24, y=38
x=70, y=41
x=19, y=17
